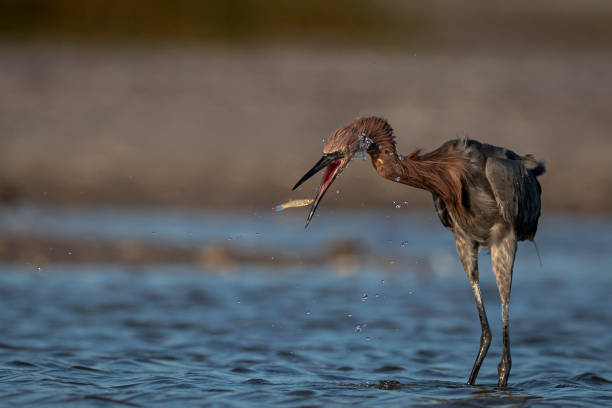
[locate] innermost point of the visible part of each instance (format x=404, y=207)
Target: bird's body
x=499, y=188
x=487, y=196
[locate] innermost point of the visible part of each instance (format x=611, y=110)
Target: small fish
x=294, y=203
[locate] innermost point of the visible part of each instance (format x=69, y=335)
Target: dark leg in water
x=468, y=253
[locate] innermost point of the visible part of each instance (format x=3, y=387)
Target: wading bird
x=487, y=196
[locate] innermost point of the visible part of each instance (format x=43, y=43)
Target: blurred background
x=158, y=136
x=224, y=104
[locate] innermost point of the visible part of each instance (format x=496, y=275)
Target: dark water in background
x=172, y=335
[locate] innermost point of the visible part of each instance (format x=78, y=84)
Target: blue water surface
x=399, y=334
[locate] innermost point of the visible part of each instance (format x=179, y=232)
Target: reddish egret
x=487, y=196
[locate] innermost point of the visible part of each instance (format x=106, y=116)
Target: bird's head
x=339, y=148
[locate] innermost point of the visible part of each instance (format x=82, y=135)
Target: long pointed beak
x=324, y=161
x=333, y=164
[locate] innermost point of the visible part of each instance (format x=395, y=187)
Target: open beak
x=334, y=164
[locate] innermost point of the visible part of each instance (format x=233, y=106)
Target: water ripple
x=176, y=336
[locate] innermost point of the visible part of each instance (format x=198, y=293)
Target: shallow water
x=180, y=335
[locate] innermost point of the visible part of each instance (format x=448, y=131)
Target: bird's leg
x=468, y=253
x=502, y=256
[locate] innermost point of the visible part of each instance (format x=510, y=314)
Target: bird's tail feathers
x=536, y=167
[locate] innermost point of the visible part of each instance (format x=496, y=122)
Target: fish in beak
x=333, y=164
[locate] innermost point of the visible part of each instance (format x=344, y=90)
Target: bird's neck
x=440, y=172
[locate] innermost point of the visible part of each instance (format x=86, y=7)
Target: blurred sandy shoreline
x=38, y=251
x=213, y=128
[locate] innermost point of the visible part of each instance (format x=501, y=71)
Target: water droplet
x=397, y=178
x=358, y=329
x=38, y=268
x=337, y=191
x=377, y=295
x=400, y=157
x=368, y=338
x=364, y=297
x=382, y=281
x=307, y=313
x=364, y=145
x=404, y=244
x=349, y=315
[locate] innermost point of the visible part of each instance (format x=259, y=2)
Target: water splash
x=400, y=204
x=364, y=145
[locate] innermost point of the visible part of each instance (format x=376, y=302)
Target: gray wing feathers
x=517, y=193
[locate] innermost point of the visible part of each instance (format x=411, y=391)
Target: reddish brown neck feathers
x=441, y=171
